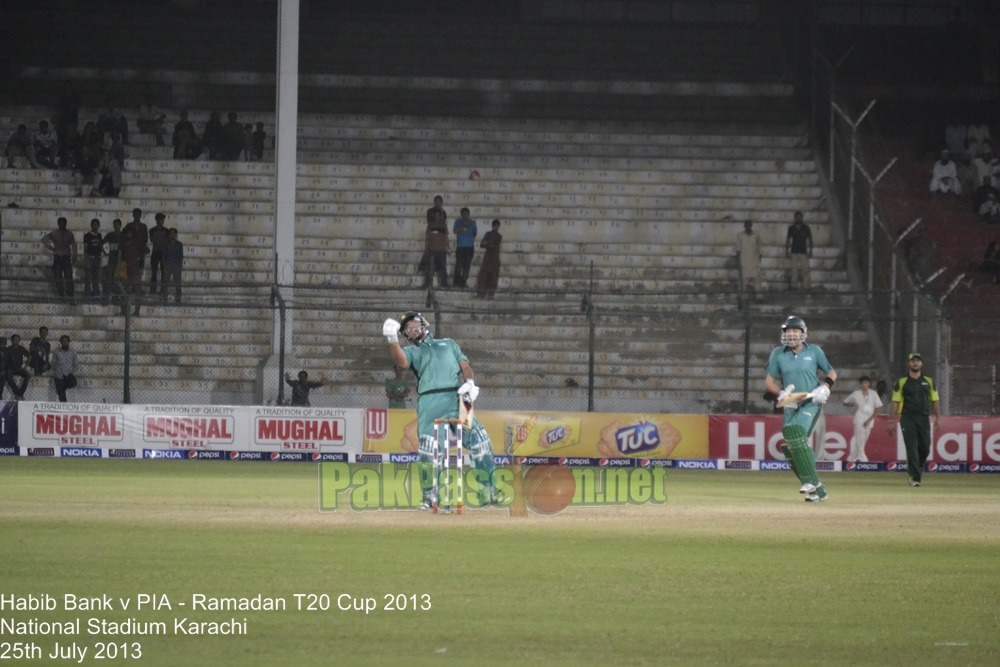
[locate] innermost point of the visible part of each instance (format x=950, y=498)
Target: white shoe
x=807, y=488
x=914, y=482
x=815, y=498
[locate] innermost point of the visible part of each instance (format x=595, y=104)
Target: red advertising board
x=957, y=440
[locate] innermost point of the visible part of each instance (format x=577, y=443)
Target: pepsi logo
x=603, y=463
x=851, y=465
x=275, y=456
x=893, y=466
x=192, y=454
x=645, y=463
x=932, y=467
x=316, y=456
x=563, y=461
x=522, y=459
x=974, y=467
x=234, y=455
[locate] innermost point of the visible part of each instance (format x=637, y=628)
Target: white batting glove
x=820, y=394
x=469, y=391
x=390, y=329
x=785, y=392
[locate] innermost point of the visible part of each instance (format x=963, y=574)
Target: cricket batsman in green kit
x=795, y=364
x=444, y=377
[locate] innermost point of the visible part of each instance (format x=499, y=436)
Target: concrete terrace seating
x=646, y=206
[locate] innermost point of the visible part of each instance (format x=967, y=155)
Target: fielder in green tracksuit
x=912, y=399
x=792, y=367
x=443, y=375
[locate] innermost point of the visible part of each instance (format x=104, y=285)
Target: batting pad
x=797, y=444
x=790, y=461
x=481, y=451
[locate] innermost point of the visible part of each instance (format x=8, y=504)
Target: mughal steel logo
x=80, y=452
x=81, y=429
x=41, y=451
x=188, y=432
x=376, y=423
x=739, y=465
x=300, y=433
x=121, y=453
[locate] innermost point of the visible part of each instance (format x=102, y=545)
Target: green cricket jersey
x=914, y=395
x=435, y=363
x=798, y=369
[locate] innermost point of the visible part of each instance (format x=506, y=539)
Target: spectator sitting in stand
x=944, y=176
x=983, y=192
x=987, y=166
x=14, y=356
x=989, y=211
x=968, y=176
x=46, y=146
x=112, y=120
x=39, y=350
x=150, y=120
x=978, y=139
x=87, y=160
x=110, y=171
x=21, y=144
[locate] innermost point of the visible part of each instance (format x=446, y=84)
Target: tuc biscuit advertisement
x=580, y=434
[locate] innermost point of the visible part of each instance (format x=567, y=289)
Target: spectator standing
x=212, y=137
x=944, y=175
x=93, y=250
x=39, y=349
x=259, y=138
x=748, y=253
x=465, y=247
x=141, y=233
x=186, y=144
x=46, y=146
x=913, y=398
x=248, y=142
x=232, y=138
x=150, y=120
x=867, y=404
x=489, y=270
x=436, y=252
x=173, y=264
x=133, y=252
x=301, y=388
x=432, y=213
x=158, y=237
x=397, y=389
x=799, y=249
x=20, y=144
x=14, y=356
x=65, y=366
x=112, y=272
x=62, y=244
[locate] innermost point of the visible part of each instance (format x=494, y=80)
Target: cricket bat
x=465, y=412
x=794, y=397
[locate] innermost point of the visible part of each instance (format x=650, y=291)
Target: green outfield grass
x=734, y=570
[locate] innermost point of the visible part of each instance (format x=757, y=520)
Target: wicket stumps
x=442, y=460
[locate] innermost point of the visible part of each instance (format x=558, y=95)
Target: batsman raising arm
x=794, y=364
x=444, y=378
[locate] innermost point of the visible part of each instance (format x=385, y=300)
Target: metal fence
x=611, y=352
